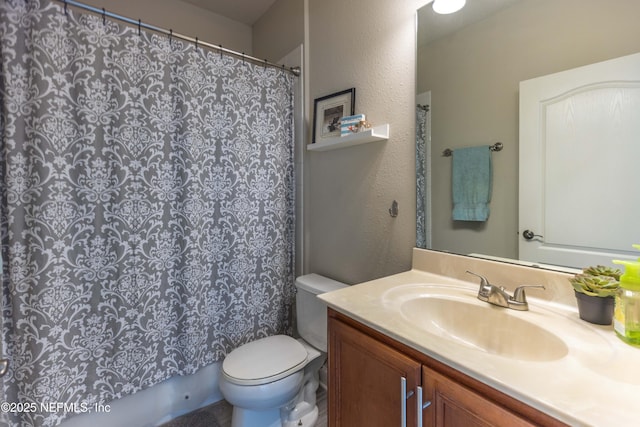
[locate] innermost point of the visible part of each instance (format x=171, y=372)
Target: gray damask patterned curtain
x=147, y=207
x=421, y=185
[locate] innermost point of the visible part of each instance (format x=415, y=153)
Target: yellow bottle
x=626, y=314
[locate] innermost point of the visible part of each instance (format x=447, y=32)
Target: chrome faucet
x=498, y=295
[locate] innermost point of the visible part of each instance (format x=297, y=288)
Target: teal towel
x=471, y=183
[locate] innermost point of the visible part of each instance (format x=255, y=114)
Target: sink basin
x=483, y=327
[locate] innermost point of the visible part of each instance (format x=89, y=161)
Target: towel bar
x=495, y=147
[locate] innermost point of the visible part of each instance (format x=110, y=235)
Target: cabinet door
x=365, y=380
x=453, y=405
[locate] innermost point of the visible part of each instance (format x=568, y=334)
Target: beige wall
x=279, y=30
x=369, y=45
x=184, y=18
x=474, y=77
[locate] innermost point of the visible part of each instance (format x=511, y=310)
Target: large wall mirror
x=469, y=68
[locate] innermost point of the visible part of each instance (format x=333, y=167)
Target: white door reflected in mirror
x=578, y=164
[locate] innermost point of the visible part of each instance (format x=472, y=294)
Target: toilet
x=272, y=382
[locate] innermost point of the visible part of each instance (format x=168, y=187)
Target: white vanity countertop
x=596, y=384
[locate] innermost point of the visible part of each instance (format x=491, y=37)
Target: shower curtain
x=147, y=208
x=421, y=184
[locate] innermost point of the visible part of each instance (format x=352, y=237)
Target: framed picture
x=327, y=112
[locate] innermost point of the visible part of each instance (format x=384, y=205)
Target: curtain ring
x=66, y=11
x=104, y=17
x=265, y=65
x=242, y=58
x=170, y=35
x=196, y=43
x=139, y=25
x=220, y=51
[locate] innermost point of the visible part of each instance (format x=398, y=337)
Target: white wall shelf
x=377, y=133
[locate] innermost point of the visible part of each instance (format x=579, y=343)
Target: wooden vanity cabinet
x=365, y=379
x=365, y=385
x=453, y=405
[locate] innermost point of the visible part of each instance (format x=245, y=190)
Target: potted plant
x=595, y=289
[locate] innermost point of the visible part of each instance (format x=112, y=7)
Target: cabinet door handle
x=421, y=406
x=403, y=402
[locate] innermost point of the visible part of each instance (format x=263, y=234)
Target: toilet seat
x=264, y=360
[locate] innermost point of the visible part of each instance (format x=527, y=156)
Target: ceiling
x=433, y=26
x=245, y=11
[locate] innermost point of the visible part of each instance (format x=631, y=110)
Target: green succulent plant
x=598, y=281
x=602, y=270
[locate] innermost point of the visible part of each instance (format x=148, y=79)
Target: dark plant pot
x=598, y=310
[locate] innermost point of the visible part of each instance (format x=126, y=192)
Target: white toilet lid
x=264, y=360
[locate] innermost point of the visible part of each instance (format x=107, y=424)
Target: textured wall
x=369, y=45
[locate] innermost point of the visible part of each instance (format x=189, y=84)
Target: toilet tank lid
x=318, y=284
x=264, y=360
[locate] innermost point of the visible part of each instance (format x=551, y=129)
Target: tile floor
x=219, y=415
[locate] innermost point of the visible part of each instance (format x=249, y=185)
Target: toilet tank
x=311, y=312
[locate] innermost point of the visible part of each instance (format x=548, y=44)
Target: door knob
x=528, y=234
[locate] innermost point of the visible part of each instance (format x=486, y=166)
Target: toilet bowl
x=272, y=382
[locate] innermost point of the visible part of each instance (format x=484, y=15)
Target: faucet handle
x=485, y=286
x=483, y=280
x=520, y=296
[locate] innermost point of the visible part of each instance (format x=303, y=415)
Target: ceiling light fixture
x=444, y=7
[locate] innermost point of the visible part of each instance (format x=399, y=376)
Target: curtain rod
x=293, y=70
